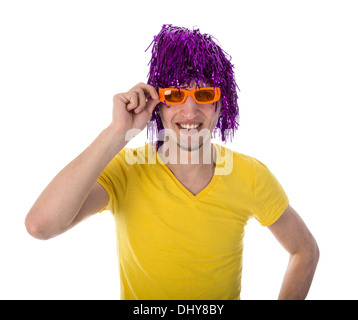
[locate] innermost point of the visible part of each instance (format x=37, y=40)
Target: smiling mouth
x=189, y=126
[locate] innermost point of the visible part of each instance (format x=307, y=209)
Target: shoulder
x=240, y=161
x=237, y=164
x=145, y=154
x=233, y=164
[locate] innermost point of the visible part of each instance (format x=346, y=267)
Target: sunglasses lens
x=205, y=95
x=202, y=95
x=174, y=95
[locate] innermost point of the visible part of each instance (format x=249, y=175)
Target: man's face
x=190, y=123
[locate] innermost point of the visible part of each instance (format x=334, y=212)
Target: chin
x=189, y=146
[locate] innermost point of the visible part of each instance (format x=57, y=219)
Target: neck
x=189, y=161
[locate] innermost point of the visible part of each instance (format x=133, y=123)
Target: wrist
x=115, y=138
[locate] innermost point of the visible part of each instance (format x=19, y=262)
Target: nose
x=189, y=109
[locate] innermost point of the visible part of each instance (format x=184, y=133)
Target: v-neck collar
x=186, y=191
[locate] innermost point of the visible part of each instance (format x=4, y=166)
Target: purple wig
x=180, y=56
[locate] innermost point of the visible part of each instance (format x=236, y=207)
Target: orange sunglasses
x=200, y=95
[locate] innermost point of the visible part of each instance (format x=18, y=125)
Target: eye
x=174, y=95
x=204, y=95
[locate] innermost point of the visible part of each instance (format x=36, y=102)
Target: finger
x=146, y=98
x=148, y=105
x=141, y=100
x=153, y=92
x=151, y=104
x=121, y=100
x=149, y=90
x=132, y=97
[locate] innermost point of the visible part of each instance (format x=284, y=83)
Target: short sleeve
x=270, y=199
x=114, y=179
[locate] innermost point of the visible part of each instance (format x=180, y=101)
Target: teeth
x=189, y=126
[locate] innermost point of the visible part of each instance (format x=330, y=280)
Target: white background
x=61, y=62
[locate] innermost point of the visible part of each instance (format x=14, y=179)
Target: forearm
x=62, y=199
x=299, y=275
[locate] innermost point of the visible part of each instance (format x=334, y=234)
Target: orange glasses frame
x=190, y=93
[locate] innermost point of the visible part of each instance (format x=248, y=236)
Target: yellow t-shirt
x=176, y=245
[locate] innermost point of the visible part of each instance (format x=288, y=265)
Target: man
x=181, y=205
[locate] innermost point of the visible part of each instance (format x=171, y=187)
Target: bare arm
x=61, y=201
x=294, y=236
x=74, y=193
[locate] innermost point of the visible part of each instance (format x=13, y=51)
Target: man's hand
x=74, y=193
x=133, y=109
